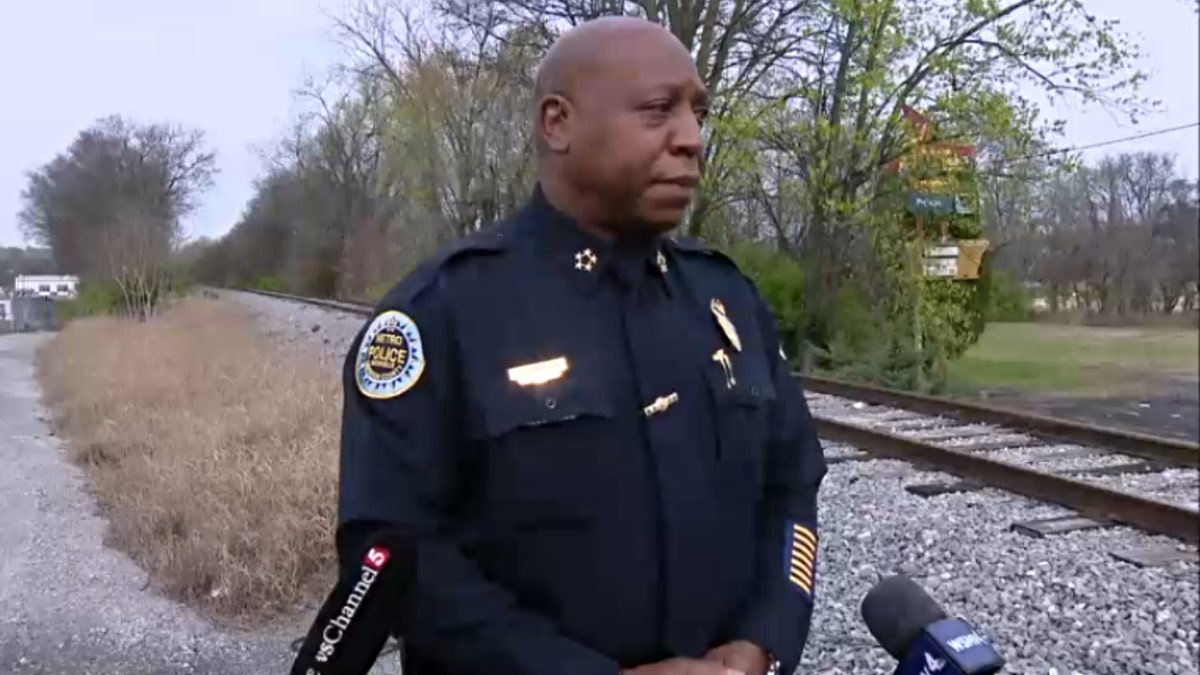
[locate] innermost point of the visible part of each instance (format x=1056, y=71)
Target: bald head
x=583, y=49
x=619, y=108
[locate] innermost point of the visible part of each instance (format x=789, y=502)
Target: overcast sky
x=230, y=67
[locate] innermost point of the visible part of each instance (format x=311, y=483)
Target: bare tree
x=114, y=168
x=421, y=138
x=137, y=248
x=1116, y=239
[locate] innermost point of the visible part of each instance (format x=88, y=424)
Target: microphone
x=915, y=630
x=358, y=615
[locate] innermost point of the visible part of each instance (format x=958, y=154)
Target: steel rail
x=349, y=307
x=1170, y=451
x=1092, y=501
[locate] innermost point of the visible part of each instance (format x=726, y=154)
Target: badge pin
x=660, y=261
x=538, y=373
x=731, y=334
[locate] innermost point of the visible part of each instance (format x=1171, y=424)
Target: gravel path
x=73, y=606
x=1060, y=605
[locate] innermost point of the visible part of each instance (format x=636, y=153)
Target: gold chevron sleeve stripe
x=804, y=534
x=802, y=557
x=798, y=552
x=801, y=570
x=802, y=583
x=800, y=546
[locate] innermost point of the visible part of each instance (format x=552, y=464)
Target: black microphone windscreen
x=896, y=610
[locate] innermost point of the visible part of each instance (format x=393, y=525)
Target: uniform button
x=551, y=403
x=754, y=391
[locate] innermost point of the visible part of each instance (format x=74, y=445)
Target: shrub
x=217, y=463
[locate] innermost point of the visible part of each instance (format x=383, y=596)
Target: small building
x=56, y=286
x=32, y=313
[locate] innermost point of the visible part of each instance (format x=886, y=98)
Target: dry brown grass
x=212, y=451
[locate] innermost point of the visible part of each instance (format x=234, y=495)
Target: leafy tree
x=423, y=136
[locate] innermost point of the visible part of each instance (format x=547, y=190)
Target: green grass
x=1074, y=359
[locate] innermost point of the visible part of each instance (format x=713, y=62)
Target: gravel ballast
x=1060, y=605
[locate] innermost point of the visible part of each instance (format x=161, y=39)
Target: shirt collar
x=587, y=258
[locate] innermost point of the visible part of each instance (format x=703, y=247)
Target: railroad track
x=1104, y=487
x=1107, y=477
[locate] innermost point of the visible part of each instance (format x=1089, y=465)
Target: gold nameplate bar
x=538, y=373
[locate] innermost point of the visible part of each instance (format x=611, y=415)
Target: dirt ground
x=1169, y=408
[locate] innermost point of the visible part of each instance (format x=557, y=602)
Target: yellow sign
x=970, y=257
x=957, y=260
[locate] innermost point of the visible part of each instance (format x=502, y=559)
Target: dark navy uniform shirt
x=597, y=452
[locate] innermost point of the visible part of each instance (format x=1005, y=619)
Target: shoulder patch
x=390, y=357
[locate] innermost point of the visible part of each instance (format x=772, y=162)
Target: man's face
x=636, y=141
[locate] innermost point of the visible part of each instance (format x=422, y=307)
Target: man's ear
x=556, y=116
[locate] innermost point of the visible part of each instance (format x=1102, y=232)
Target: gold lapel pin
x=726, y=365
x=731, y=334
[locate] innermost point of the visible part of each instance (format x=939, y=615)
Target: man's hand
x=682, y=666
x=742, y=656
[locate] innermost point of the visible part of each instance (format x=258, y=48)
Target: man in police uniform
x=587, y=431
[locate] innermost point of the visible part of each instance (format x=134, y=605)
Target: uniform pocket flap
x=507, y=407
x=751, y=388
x=753, y=393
